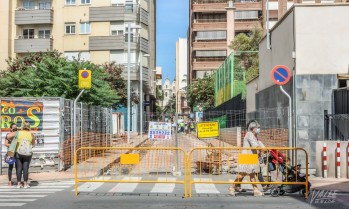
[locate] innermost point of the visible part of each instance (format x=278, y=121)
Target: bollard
x=348, y=161
x=338, y=159
x=325, y=160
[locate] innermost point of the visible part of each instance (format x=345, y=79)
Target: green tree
x=48, y=74
x=246, y=48
x=201, y=92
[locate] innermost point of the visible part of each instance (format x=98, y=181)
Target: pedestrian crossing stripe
x=205, y=188
x=14, y=197
x=126, y=187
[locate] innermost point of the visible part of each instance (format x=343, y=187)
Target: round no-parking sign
x=280, y=74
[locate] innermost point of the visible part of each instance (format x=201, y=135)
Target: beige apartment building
x=94, y=30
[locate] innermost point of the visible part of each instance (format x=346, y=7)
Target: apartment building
x=212, y=26
x=94, y=30
x=181, y=75
x=214, y=23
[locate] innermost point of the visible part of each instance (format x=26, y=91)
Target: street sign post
x=85, y=79
x=280, y=74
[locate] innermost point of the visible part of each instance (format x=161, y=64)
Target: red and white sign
x=159, y=130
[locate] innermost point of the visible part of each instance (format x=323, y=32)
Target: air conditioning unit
x=21, y=8
x=19, y=37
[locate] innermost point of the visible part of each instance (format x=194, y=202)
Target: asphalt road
x=60, y=195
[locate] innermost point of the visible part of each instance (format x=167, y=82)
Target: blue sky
x=171, y=23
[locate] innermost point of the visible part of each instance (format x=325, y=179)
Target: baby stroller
x=288, y=174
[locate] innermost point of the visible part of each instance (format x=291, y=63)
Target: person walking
x=25, y=142
x=250, y=141
x=13, y=128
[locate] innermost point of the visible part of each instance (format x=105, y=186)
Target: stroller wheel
x=274, y=192
x=302, y=193
x=281, y=192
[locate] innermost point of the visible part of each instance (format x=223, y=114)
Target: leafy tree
x=48, y=74
x=201, y=92
x=246, y=47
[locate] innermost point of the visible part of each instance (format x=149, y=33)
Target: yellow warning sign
x=129, y=159
x=85, y=79
x=208, y=129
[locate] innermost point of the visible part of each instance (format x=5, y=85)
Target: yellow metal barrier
x=211, y=159
x=129, y=163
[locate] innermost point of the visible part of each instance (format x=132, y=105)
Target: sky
x=171, y=23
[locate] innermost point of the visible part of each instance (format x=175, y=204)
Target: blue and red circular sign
x=84, y=74
x=280, y=74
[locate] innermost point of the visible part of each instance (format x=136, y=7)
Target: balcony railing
x=210, y=20
x=209, y=26
x=216, y=45
x=33, y=16
x=24, y=44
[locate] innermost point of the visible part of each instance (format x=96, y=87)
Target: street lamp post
x=129, y=79
x=141, y=89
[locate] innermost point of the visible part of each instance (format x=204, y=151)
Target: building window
x=70, y=29
x=85, y=28
x=29, y=4
x=44, y=33
x=69, y=2
x=85, y=1
x=165, y=94
x=117, y=29
x=28, y=33
x=77, y=55
x=128, y=5
x=117, y=32
x=45, y=4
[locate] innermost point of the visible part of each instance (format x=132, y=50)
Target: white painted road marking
x=91, y=186
x=11, y=204
x=17, y=200
x=126, y=187
x=31, y=190
x=164, y=187
x=13, y=195
x=205, y=188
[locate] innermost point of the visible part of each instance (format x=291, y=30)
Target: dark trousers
x=10, y=169
x=23, y=163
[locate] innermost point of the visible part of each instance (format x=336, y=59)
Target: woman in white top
x=250, y=141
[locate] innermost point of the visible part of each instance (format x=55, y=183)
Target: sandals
x=233, y=189
x=257, y=193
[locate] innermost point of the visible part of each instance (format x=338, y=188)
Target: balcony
x=209, y=7
x=33, y=16
x=33, y=45
x=219, y=45
x=248, y=6
x=209, y=26
x=106, y=43
x=113, y=13
x=246, y=25
x=207, y=65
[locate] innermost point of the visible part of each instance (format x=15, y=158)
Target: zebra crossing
x=14, y=197
x=153, y=188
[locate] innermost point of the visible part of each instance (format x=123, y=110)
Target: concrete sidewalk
x=339, y=185
x=103, y=162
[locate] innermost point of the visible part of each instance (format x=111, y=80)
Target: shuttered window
x=211, y=35
x=246, y=15
x=211, y=53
